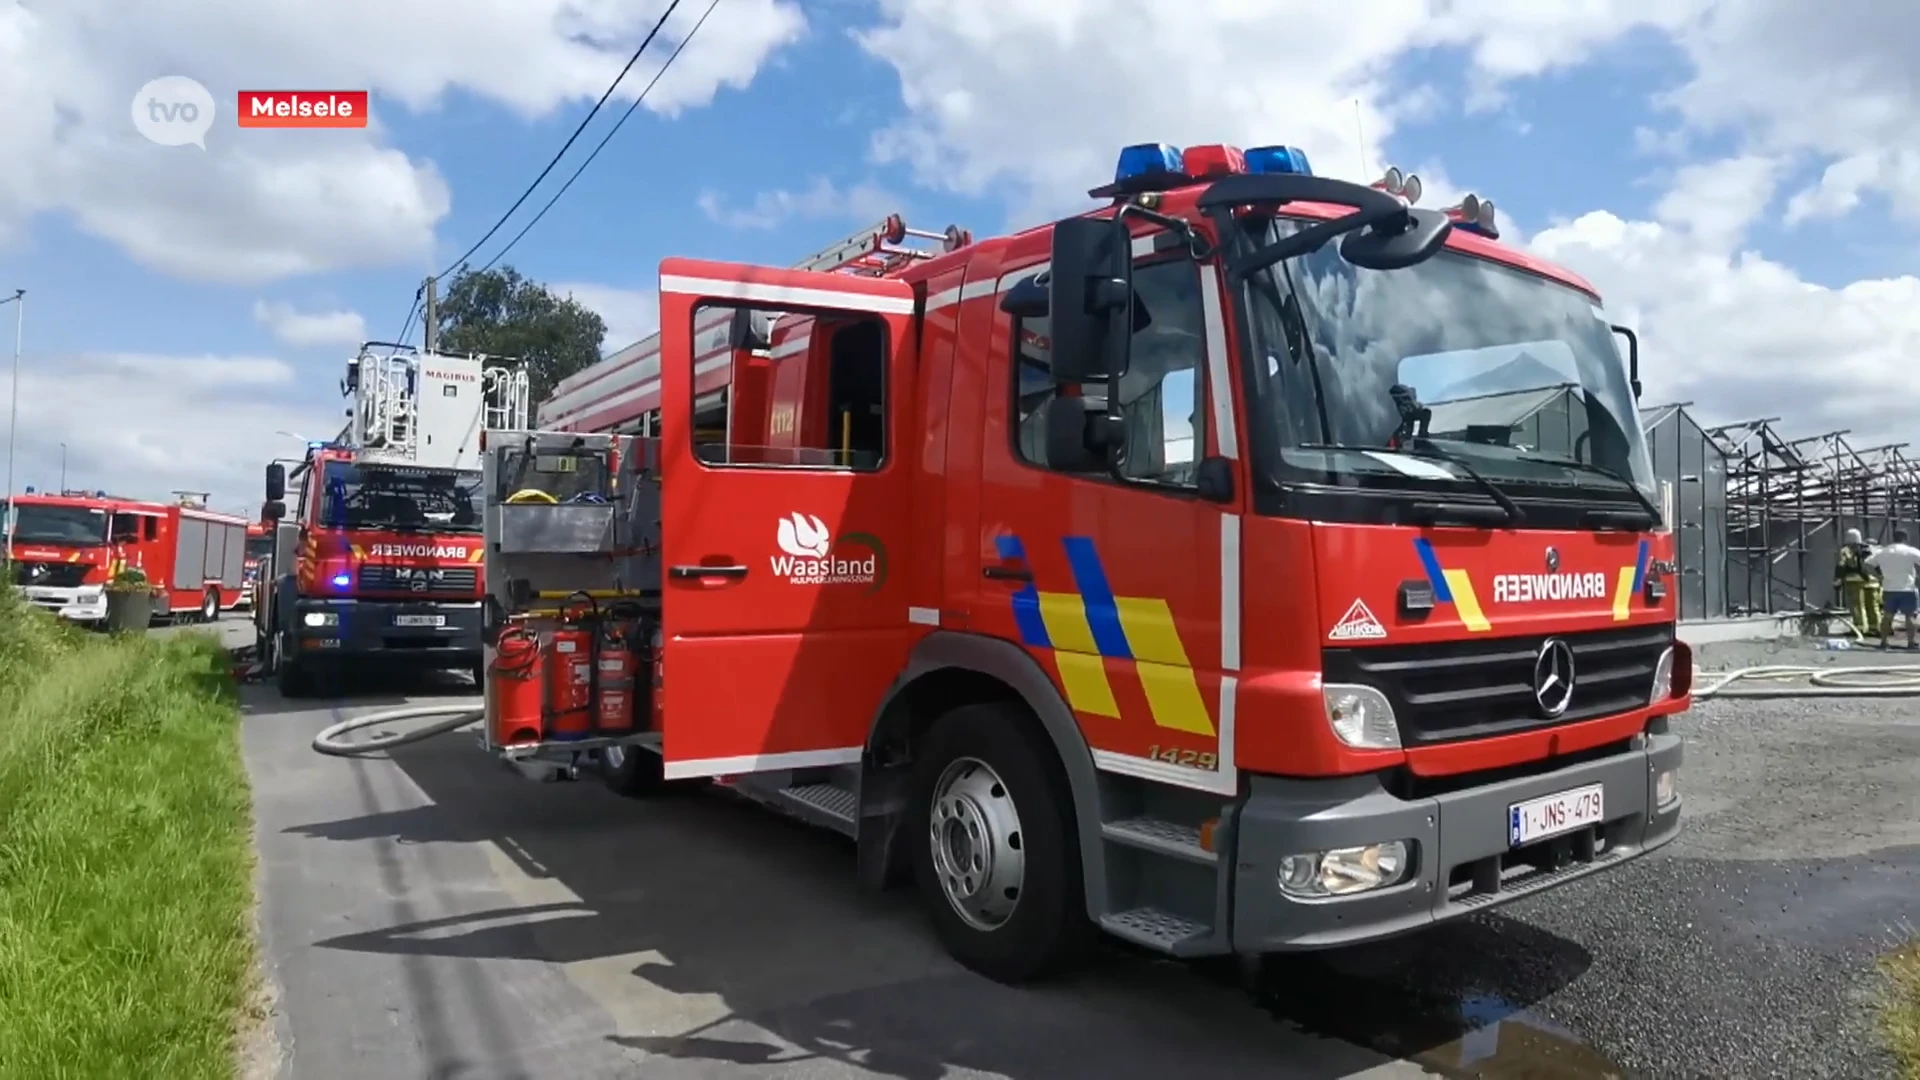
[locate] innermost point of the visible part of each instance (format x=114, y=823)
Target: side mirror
x=1398, y=242
x=1074, y=442
x=1090, y=300
x=1633, y=357
x=273, y=510
x=276, y=481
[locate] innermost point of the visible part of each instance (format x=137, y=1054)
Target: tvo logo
x=173, y=110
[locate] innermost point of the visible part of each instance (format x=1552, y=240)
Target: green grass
x=126, y=890
x=1903, y=1009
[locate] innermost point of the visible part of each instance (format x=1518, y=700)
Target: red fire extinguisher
x=658, y=712
x=569, y=652
x=616, y=667
x=514, y=687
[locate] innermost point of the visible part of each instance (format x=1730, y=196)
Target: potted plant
x=129, y=602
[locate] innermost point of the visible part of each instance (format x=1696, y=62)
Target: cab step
x=1161, y=837
x=1161, y=931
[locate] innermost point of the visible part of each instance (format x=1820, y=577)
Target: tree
x=500, y=313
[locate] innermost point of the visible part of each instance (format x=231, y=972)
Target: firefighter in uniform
x=1854, y=583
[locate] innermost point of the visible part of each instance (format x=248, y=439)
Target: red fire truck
x=259, y=550
x=1196, y=569
x=376, y=553
x=67, y=547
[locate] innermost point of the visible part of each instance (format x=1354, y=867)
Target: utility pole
x=431, y=320
x=13, y=409
x=63, y=468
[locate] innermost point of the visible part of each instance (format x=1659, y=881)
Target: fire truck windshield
x=64, y=526
x=1517, y=374
x=259, y=547
x=409, y=500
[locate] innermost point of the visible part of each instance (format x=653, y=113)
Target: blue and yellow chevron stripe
x=1451, y=586
x=1090, y=627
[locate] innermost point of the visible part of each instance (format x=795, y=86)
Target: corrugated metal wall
x=1691, y=470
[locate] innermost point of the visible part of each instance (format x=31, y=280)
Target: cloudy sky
x=1741, y=180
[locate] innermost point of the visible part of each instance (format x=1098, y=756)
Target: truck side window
x=150, y=528
x=1163, y=394
x=810, y=391
x=126, y=528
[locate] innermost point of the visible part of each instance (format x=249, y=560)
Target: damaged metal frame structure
x=1789, y=502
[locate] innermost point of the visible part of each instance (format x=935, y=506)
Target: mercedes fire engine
x=67, y=547
x=377, y=539
x=1260, y=562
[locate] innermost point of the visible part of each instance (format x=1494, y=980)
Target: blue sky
x=1609, y=142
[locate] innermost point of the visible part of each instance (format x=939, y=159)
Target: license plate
x=419, y=620
x=1551, y=815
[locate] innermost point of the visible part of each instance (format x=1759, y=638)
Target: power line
x=615, y=130
x=591, y=113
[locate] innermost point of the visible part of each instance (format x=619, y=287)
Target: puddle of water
x=1469, y=1036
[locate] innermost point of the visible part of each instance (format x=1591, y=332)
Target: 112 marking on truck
x=1199, y=569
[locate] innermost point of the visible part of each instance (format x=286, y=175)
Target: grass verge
x=126, y=887
x=1903, y=1009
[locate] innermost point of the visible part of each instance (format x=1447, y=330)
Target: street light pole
x=63, y=468
x=19, y=301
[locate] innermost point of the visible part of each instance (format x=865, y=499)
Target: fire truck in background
x=1193, y=569
x=67, y=547
x=259, y=551
x=376, y=551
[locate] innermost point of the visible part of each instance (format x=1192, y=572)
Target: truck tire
x=210, y=606
x=291, y=677
x=632, y=771
x=995, y=849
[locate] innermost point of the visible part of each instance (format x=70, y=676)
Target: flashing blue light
x=1149, y=159
x=317, y=444
x=1278, y=159
x=341, y=581
x=29, y=490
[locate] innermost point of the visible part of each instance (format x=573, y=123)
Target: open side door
x=785, y=614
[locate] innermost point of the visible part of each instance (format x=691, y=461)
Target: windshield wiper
x=1508, y=508
x=1646, y=504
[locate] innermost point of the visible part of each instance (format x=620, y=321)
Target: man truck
x=376, y=555
x=1189, y=570
x=66, y=548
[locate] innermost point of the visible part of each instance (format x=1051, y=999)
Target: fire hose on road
x=1861, y=681
x=457, y=714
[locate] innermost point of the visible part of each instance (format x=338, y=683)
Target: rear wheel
x=632, y=771
x=995, y=850
x=210, y=606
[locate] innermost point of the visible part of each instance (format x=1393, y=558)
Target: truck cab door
x=784, y=614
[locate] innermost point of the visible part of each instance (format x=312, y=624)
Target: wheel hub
x=978, y=851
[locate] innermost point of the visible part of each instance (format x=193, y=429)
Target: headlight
x=1663, y=677
x=1317, y=875
x=321, y=618
x=1360, y=716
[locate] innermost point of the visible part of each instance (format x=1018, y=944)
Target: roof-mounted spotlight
x=1403, y=186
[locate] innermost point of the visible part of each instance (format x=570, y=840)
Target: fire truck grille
x=407, y=579
x=51, y=575
x=1447, y=691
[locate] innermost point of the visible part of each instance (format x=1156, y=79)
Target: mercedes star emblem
x=1553, y=677
x=1553, y=559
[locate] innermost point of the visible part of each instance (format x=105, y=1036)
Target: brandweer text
x=1531, y=588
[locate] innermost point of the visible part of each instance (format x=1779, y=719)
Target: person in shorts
x=1899, y=566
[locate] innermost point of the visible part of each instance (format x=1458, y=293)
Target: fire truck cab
x=1261, y=562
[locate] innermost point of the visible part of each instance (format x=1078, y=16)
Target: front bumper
x=369, y=629
x=1461, y=861
x=88, y=603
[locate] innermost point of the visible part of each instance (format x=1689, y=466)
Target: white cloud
x=630, y=314
x=862, y=203
x=1744, y=337
x=143, y=425
x=1715, y=201
x=261, y=205
x=310, y=328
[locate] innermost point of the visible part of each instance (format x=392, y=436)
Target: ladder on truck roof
x=387, y=424
x=880, y=250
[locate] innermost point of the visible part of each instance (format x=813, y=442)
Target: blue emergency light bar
x=341, y=581
x=1162, y=166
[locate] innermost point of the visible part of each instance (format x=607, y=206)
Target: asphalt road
x=435, y=915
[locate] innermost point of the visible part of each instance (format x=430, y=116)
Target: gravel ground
x=1746, y=947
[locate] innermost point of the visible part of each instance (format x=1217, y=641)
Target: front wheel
x=995, y=849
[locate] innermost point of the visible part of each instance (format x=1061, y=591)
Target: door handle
x=699, y=571
x=1006, y=573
